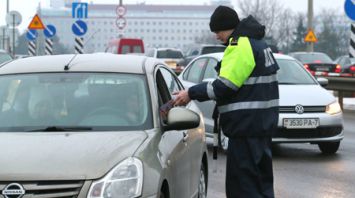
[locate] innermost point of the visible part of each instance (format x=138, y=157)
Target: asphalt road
x=301, y=171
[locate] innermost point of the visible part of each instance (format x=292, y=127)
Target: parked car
x=171, y=56
x=317, y=63
x=308, y=112
x=125, y=46
x=4, y=57
x=200, y=49
x=347, y=64
x=92, y=126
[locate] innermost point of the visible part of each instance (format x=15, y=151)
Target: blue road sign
x=80, y=10
x=49, y=31
x=79, y=28
x=31, y=34
x=350, y=9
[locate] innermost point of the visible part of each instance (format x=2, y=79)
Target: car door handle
x=185, y=136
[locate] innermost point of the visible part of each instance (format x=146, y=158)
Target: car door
x=175, y=142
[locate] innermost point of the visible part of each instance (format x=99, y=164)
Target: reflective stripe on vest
x=228, y=83
x=260, y=80
x=248, y=105
x=210, y=91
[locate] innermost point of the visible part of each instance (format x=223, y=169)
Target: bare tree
x=286, y=30
x=267, y=12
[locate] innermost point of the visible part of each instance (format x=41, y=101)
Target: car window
x=100, y=101
x=195, y=70
x=125, y=49
x=292, y=72
x=170, y=80
x=313, y=58
x=213, y=49
x=210, y=72
x=169, y=54
x=4, y=58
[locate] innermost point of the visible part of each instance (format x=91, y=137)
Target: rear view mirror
x=180, y=118
x=322, y=81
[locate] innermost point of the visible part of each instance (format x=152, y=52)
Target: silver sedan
x=98, y=125
x=308, y=112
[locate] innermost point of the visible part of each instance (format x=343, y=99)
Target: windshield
x=92, y=101
x=313, y=58
x=208, y=50
x=4, y=58
x=291, y=72
x=169, y=54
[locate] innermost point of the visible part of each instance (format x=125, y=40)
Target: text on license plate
x=300, y=123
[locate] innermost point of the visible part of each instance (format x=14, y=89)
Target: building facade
x=158, y=25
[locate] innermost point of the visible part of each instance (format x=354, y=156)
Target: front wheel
x=202, y=185
x=329, y=147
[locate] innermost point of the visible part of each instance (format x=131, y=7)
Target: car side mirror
x=322, y=81
x=180, y=118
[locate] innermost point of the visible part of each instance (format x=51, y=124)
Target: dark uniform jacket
x=246, y=90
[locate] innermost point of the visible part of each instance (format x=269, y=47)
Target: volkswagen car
x=98, y=125
x=308, y=113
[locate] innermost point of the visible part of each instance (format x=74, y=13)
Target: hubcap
x=202, y=185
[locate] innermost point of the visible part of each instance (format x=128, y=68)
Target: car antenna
x=67, y=66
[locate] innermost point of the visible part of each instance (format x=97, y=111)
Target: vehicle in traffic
x=4, y=57
x=308, y=112
x=92, y=126
x=171, y=56
x=200, y=49
x=125, y=46
x=347, y=64
x=317, y=63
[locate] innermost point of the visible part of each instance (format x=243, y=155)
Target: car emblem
x=13, y=190
x=299, y=109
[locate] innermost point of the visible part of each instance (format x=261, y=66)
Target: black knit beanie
x=223, y=18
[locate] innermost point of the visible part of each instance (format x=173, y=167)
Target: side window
x=170, y=80
x=196, y=68
x=210, y=72
x=125, y=49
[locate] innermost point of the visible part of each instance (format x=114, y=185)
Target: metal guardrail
x=341, y=85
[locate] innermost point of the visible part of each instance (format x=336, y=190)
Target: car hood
x=64, y=156
x=306, y=95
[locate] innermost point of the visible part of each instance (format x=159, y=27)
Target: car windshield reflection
x=74, y=102
x=292, y=73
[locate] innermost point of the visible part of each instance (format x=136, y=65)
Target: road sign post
x=349, y=8
x=49, y=32
x=13, y=19
x=79, y=27
x=31, y=36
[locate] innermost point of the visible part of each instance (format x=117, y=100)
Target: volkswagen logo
x=13, y=190
x=299, y=109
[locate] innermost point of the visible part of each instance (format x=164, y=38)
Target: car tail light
x=306, y=66
x=352, y=69
x=337, y=69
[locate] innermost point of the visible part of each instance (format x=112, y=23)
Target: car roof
x=306, y=53
x=103, y=62
x=219, y=56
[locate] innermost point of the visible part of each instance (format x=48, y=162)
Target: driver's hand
x=182, y=98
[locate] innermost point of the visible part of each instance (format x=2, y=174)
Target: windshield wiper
x=57, y=128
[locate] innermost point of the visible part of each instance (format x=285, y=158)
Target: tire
x=329, y=147
x=222, y=141
x=202, y=183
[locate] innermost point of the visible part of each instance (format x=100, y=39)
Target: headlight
x=123, y=181
x=333, y=108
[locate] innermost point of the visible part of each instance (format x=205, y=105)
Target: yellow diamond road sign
x=36, y=23
x=310, y=37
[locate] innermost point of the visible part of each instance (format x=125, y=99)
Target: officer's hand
x=182, y=98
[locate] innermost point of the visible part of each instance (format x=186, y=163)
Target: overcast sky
x=27, y=8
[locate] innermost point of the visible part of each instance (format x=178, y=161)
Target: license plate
x=301, y=123
x=322, y=68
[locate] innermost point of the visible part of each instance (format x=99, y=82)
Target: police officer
x=247, y=98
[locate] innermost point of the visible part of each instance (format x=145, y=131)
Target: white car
x=171, y=56
x=308, y=112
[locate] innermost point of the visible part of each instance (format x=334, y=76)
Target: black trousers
x=249, y=168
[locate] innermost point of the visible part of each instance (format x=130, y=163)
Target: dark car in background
x=200, y=49
x=347, y=64
x=317, y=63
x=4, y=57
